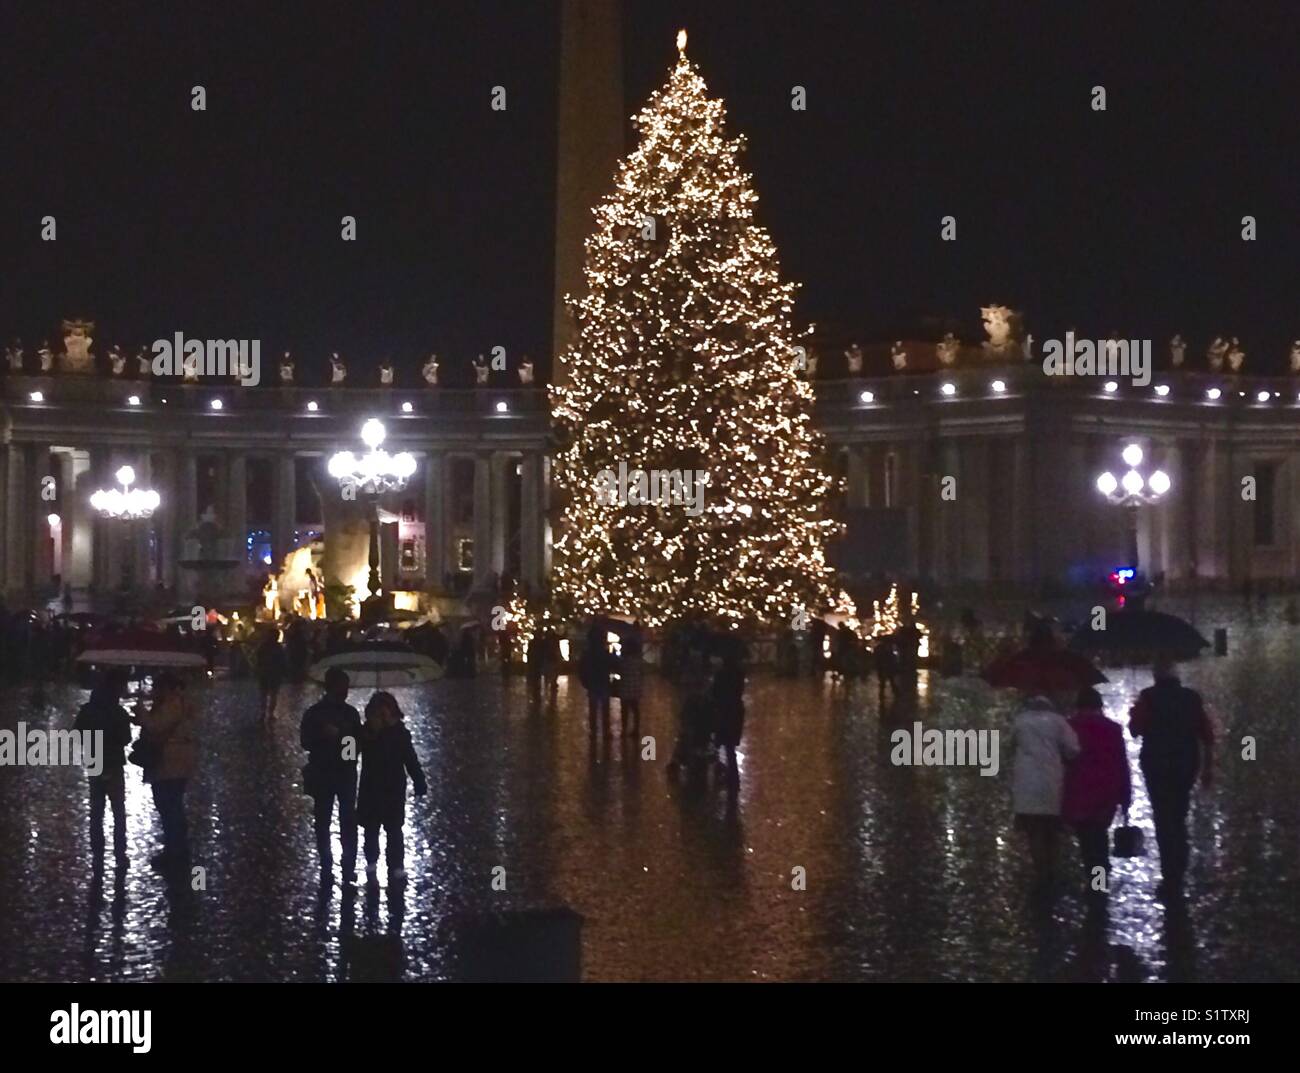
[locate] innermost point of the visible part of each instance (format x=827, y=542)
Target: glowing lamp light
x=37, y=396
x=1159, y=482
x=1133, y=482
x=377, y=471
x=1263, y=396
x=1110, y=387
x=54, y=520
x=1162, y=390
x=312, y=407
x=999, y=386
x=216, y=404
x=1213, y=393
x=1132, y=455
x=503, y=407
x=407, y=408
x=125, y=502
x=867, y=397
x=1106, y=483
x=949, y=389
x=133, y=400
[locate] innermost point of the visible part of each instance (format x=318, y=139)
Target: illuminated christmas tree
x=685, y=361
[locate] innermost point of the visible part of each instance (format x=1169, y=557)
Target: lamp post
x=371, y=475
x=127, y=505
x=1132, y=492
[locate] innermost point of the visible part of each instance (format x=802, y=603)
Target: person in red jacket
x=1097, y=783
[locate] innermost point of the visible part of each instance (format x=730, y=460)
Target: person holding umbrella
x=169, y=740
x=1096, y=784
x=1177, y=741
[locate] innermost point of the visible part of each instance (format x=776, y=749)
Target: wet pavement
x=912, y=873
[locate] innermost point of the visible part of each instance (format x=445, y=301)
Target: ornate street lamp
x=128, y=505
x=1132, y=492
x=372, y=475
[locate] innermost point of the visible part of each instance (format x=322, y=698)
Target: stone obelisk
x=590, y=142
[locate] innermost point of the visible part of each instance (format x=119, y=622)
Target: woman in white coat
x=1043, y=742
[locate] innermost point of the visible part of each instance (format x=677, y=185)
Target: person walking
x=387, y=757
x=728, y=695
x=331, y=734
x=170, y=739
x=1097, y=783
x=272, y=666
x=1177, y=742
x=631, y=674
x=104, y=715
x=594, y=671
x=1043, y=742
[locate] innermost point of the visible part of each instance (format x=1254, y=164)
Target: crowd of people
x=1073, y=771
x=1068, y=770
x=359, y=766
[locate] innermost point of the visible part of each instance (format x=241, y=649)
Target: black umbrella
x=1143, y=634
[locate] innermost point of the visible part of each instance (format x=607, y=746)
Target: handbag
x=1128, y=840
x=146, y=753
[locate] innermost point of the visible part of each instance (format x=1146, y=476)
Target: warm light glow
x=1213, y=393
x=712, y=382
x=133, y=400
x=1162, y=390
x=1110, y=387
x=54, y=520
x=949, y=389
x=503, y=407
x=407, y=408
x=1133, y=483
x=1263, y=396
x=376, y=471
x=1107, y=483
x=406, y=601
x=125, y=475
x=216, y=404
x=681, y=41
x=999, y=386
x=312, y=407
x=1132, y=455
x=867, y=396
x=36, y=396
x=373, y=433
x=1159, y=482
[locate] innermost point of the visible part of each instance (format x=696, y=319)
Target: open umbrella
x=1142, y=634
x=379, y=664
x=1042, y=670
x=139, y=648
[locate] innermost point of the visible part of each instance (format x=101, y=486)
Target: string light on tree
x=685, y=359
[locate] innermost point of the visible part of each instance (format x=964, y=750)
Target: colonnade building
x=975, y=473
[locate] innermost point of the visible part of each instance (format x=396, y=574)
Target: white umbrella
x=380, y=665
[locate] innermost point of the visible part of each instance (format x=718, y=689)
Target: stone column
x=435, y=520
x=17, y=518
x=482, y=522
x=184, y=517
x=45, y=495
x=501, y=464
x=237, y=513
x=140, y=532
x=532, y=520
x=78, y=519
x=286, y=502
x=855, y=490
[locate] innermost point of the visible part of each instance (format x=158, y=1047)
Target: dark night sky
x=226, y=223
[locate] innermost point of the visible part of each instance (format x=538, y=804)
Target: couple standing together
x=335, y=738
x=1077, y=770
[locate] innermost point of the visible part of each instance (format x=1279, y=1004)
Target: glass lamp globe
x=1107, y=484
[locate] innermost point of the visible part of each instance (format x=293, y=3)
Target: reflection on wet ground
x=912, y=873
